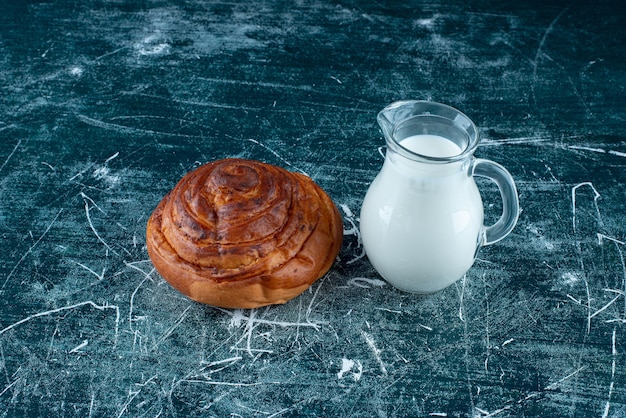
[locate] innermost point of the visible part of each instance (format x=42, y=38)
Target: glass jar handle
x=510, y=201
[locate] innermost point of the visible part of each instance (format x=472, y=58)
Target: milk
x=420, y=222
x=431, y=146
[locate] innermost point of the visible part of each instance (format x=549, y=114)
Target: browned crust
x=238, y=233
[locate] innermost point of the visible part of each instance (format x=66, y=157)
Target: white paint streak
x=354, y=230
x=93, y=228
x=607, y=407
x=112, y=157
x=346, y=209
x=540, y=52
x=602, y=237
x=598, y=150
x=461, y=297
x=30, y=249
x=257, y=84
x=129, y=129
x=254, y=141
x=507, y=342
x=171, y=329
x=372, y=345
x=618, y=153
x=79, y=346
x=67, y=308
x=596, y=196
x=513, y=141
x=237, y=317
x=11, y=154
x=366, y=283
x=569, y=376
x=99, y=276
x=599, y=311
x=10, y=386
x=228, y=361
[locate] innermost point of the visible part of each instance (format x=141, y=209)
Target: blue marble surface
x=104, y=105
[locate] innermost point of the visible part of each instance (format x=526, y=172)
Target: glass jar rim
x=392, y=118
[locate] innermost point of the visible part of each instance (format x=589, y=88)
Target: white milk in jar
x=420, y=222
x=431, y=146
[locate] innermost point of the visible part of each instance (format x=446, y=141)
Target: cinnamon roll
x=238, y=233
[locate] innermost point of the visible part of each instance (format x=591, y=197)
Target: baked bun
x=238, y=233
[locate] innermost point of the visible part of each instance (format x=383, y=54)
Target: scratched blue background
x=104, y=105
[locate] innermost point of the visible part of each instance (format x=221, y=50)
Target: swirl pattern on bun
x=239, y=233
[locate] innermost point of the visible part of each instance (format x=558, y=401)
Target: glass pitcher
x=422, y=217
